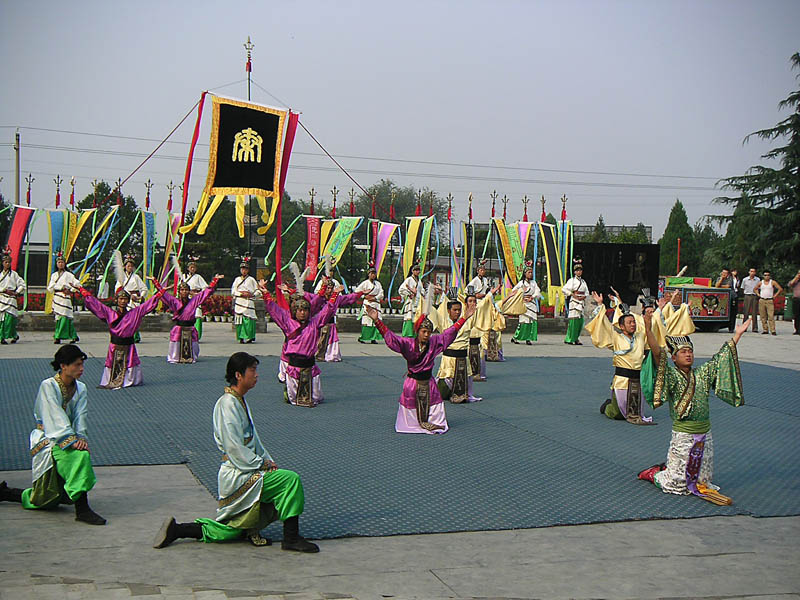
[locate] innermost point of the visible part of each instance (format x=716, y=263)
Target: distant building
x=582, y=230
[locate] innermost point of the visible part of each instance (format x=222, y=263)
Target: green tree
x=600, y=234
x=767, y=200
x=710, y=256
x=677, y=228
x=631, y=235
x=5, y=220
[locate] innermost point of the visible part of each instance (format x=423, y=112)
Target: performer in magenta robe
x=421, y=409
x=123, y=367
x=316, y=302
x=302, y=331
x=184, y=342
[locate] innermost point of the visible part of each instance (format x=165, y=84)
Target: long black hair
x=239, y=362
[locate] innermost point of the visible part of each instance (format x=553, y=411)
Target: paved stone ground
x=49, y=555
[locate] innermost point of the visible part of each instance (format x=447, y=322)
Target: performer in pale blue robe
x=253, y=491
x=62, y=467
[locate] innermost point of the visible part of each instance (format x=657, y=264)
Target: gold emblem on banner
x=247, y=146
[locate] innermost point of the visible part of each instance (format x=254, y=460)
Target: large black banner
x=550, y=245
x=626, y=267
x=246, y=146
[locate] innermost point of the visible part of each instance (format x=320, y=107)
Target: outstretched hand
x=221, y=276
x=371, y=313
x=741, y=329
x=662, y=302
x=495, y=289
x=469, y=310
x=598, y=297
x=676, y=295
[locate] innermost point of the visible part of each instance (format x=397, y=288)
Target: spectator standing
x=767, y=290
x=748, y=286
x=795, y=285
x=736, y=292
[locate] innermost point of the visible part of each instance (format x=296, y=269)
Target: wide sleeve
x=141, y=288
x=20, y=289
x=379, y=295
x=148, y=305
x=51, y=285
x=171, y=303
x=679, y=322
x=347, y=299
x=484, y=313
x=325, y=314
x=393, y=341
x=600, y=328
x=235, y=291
x=537, y=293
x=403, y=290
x=202, y=296
x=447, y=336
x=279, y=315
x=80, y=411
x=438, y=316
x=513, y=304
x=55, y=421
x=229, y=429
x=100, y=310
x=567, y=289
x=724, y=375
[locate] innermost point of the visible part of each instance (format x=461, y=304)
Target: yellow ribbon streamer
x=202, y=205
x=411, y=242
x=240, y=206
x=201, y=228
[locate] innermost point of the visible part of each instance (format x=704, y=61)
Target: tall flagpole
x=248, y=46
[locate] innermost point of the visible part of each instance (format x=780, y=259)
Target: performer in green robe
x=690, y=459
x=61, y=463
x=253, y=491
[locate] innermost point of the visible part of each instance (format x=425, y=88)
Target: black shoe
x=376, y=341
x=15, y=340
x=3, y=342
x=765, y=333
x=299, y=544
x=796, y=333
x=773, y=333
x=8, y=494
x=167, y=534
x=241, y=341
x=76, y=340
x=578, y=343
x=361, y=342
x=90, y=517
x=603, y=407
x=529, y=343
x=514, y=341
x=56, y=341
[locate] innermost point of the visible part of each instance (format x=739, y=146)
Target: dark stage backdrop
x=626, y=267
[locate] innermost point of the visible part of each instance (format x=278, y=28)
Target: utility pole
x=17, y=149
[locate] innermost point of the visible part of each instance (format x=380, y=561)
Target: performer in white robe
x=253, y=491
x=528, y=328
x=62, y=284
x=244, y=290
x=196, y=285
x=410, y=291
x=61, y=464
x=576, y=292
x=480, y=283
x=372, y=290
x=11, y=286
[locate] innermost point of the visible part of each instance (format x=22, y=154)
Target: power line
x=388, y=159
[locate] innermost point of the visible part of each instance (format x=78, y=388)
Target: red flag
x=543, y=218
x=19, y=228
x=493, y=211
x=291, y=129
x=28, y=196
x=392, y=216
x=430, y=210
x=72, y=198
x=313, y=225
x=352, y=209
x=58, y=198
x=418, y=211
x=188, y=173
x=525, y=216
x=449, y=213
x=373, y=213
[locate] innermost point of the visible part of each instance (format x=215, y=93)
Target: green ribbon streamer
x=290, y=260
x=108, y=263
x=272, y=245
x=27, y=252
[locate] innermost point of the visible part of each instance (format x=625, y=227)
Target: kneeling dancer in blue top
x=253, y=491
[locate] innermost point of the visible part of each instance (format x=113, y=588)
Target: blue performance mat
x=536, y=452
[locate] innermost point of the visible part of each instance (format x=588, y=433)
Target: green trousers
x=369, y=333
x=527, y=332
x=247, y=330
x=281, y=489
x=8, y=327
x=408, y=329
x=574, y=328
x=198, y=325
x=71, y=476
x=65, y=329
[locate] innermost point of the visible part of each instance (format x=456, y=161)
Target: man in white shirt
x=480, y=283
x=767, y=289
x=372, y=290
x=409, y=291
x=135, y=287
x=11, y=286
x=749, y=284
x=576, y=292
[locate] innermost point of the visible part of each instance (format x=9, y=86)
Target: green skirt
x=369, y=333
x=198, y=325
x=65, y=329
x=408, y=329
x=8, y=327
x=71, y=476
x=574, y=328
x=282, y=498
x=527, y=332
x=246, y=330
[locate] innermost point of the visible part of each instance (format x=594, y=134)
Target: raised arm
x=651, y=338
x=599, y=327
x=98, y=309
x=203, y=295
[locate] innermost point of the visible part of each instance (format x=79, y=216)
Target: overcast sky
x=622, y=106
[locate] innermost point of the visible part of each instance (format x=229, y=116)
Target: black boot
x=84, y=513
x=171, y=531
x=9, y=494
x=292, y=539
